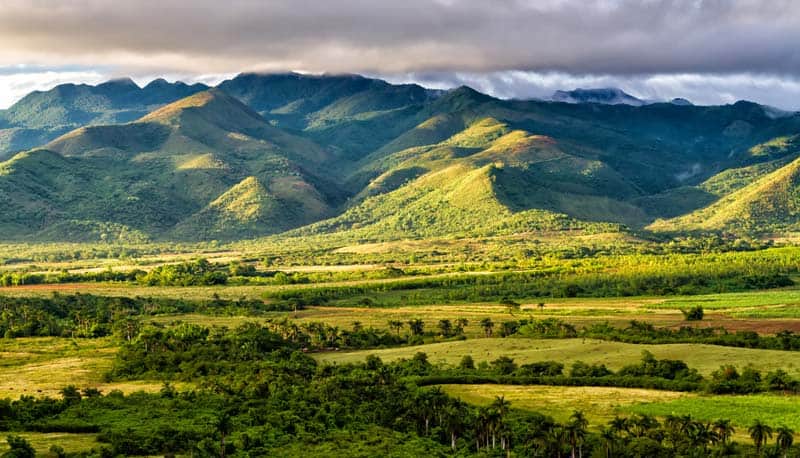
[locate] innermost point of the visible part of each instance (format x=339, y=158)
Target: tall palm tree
x=620, y=425
x=785, y=438
x=576, y=429
x=609, y=438
x=724, y=429
x=416, y=326
x=760, y=433
x=454, y=421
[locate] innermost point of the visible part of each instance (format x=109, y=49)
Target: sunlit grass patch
x=599, y=404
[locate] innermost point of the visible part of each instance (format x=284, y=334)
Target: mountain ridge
x=362, y=158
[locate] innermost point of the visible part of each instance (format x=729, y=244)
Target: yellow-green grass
x=41, y=442
x=773, y=409
x=599, y=404
x=42, y=366
x=704, y=358
x=738, y=301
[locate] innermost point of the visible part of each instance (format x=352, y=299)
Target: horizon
x=711, y=52
x=142, y=83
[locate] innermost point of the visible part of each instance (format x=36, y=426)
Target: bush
x=693, y=313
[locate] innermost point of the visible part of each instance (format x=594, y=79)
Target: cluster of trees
x=640, y=332
x=258, y=395
x=665, y=374
x=87, y=315
x=601, y=277
x=201, y=272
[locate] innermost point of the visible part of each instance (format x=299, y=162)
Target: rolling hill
x=354, y=157
x=185, y=170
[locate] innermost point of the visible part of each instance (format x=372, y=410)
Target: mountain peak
x=606, y=95
x=212, y=102
x=119, y=83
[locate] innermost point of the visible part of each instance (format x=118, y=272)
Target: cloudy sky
x=709, y=51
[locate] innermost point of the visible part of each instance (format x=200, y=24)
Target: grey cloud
x=620, y=37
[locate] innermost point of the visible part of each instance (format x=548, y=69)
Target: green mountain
x=359, y=158
x=769, y=204
x=183, y=171
x=355, y=113
x=42, y=116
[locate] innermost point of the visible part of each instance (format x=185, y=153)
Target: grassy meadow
x=362, y=296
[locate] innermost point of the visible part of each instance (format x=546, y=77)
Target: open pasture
x=704, y=358
x=599, y=404
x=42, y=366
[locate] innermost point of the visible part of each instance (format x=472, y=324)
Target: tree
x=19, y=448
x=487, y=324
x=760, y=433
x=461, y=323
x=504, y=365
x=693, y=313
x=501, y=407
x=71, y=394
x=609, y=439
x=724, y=429
x=467, y=363
x=785, y=438
x=416, y=326
x=576, y=431
x=224, y=427
x=397, y=325
x=446, y=327
x=454, y=421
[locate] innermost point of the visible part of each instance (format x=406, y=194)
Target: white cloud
x=14, y=86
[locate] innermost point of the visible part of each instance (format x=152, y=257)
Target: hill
x=42, y=116
x=204, y=167
x=354, y=157
x=770, y=204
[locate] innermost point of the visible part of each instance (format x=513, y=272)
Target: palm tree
x=500, y=408
x=416, y=326
x=487, y=326
x=609, y=438
x=785, y=438
x=454, y=416
x=397, y=325
x=724, y=429
x=461, y=323
x=446, y=326
x=576, y=431
x=760, y=433
x=619, y=425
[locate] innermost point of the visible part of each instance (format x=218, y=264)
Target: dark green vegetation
x=353, y=159
x=259, y=395
x=526, y=245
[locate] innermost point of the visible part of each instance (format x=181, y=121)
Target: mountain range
x=264, y=154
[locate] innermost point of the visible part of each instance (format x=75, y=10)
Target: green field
x=704, y=358
x=42, y=366
x=70, y=443
x=599, y=404
x=742, y=410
